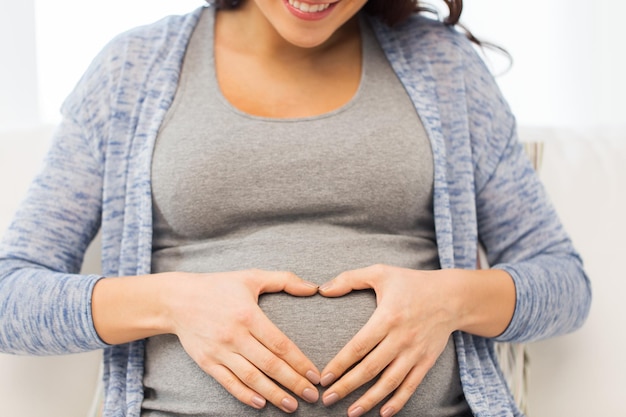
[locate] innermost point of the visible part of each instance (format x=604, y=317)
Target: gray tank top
x=316, y=196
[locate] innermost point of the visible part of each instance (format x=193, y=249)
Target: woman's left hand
x=403, y=338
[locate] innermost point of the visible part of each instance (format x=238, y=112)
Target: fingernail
x=310, y=284
x=387, y=412
x=357, y=412
x=311, y=395
x=289, y=404
x=326, y=286
x=330, y=399
x=258, y=402
x=313, y=377
x=327, y=379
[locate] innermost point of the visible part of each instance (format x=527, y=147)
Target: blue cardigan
x=97, y=175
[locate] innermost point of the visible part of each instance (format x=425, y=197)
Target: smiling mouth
x=309, y=7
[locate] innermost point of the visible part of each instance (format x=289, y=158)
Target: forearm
x=126, y=309
x=483, y=300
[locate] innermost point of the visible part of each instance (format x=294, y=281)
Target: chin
x=308, y=43
x=307, y=40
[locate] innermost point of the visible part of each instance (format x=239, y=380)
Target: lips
x=311, y=11
x=309, y=7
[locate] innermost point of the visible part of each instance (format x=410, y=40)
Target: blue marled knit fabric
x=97, y=173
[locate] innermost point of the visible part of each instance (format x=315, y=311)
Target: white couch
x=576, y=375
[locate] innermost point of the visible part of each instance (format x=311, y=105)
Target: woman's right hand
x=221, y=326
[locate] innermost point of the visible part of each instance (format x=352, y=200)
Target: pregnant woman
x=291, y=196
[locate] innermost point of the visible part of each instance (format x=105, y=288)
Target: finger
x=366, y=339
x=277, y=281
x=235, y=387
x=256, y=380
x=357, y=279
x=365, y=371
x=270, y=336
x=404, y=392
x=280, y=371
x=392, y=378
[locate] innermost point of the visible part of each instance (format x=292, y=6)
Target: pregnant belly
x=319, y=326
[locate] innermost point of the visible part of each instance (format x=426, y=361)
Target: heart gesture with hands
x=243, y=350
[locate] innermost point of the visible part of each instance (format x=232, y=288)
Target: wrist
x=483, y=301
x=130, y=308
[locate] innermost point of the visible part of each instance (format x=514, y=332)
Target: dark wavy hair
x=391, y=12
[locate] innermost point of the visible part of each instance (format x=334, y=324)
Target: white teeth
x=307, y=7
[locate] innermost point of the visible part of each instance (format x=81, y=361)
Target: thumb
x=342, y=284
x=287, y=282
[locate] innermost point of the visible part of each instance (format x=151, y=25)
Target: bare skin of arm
x=415, y=315
x=219, y=324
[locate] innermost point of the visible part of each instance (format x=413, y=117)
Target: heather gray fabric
x=316, y=196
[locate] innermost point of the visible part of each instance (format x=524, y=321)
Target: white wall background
x=569, y=58
x=45, y=47
x=18, y=70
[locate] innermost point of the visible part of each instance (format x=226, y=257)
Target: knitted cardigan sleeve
x=516, y=221
x=46, y=306
x=523, y=235
x=45, y=303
